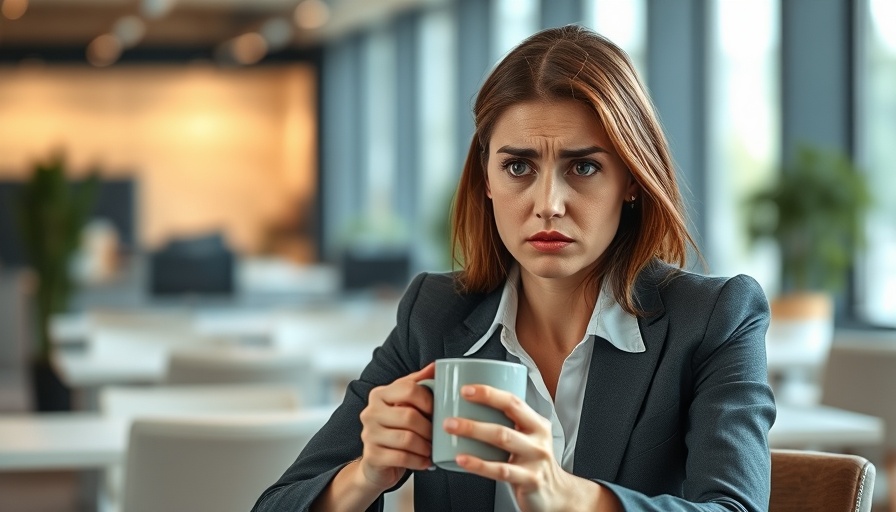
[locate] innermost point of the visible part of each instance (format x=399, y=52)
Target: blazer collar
x=462, y=337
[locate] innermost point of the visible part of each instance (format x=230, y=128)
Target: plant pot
x=798, y=341
x=50, y=393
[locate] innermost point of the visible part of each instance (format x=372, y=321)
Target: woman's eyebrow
x=519, y=152
x=564, y=153
x=578, y=153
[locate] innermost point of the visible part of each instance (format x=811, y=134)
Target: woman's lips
x=549, y=241
x=548, y=245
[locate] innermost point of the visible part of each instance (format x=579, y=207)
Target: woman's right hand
x=397, y=429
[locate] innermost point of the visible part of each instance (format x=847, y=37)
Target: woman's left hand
x=538, y=481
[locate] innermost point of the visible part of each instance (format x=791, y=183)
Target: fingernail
x=468, y=391
x=450, y=424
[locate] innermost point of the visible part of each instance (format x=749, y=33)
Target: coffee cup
x=451, y=375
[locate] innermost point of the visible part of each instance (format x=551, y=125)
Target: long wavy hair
x=573, y=62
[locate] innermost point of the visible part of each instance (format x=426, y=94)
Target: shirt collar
x=608, y=320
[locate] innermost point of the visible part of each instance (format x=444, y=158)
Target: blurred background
x=232, y=175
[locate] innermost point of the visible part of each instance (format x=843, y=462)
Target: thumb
x=427, y=372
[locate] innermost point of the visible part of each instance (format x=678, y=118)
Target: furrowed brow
x=578, y=153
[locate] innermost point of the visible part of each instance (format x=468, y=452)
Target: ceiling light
x=249, y=48
x=129, y=30
x=155, y=9
x=104, y=50
x=14, y=9
x=311, y=14
x=277, y=32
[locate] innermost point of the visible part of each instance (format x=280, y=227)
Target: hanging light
x=14, y=9
x=104, y=50
x=155, y=9
x=129, y=30
x=249, y=48
x=311, y=14
x=277, y=32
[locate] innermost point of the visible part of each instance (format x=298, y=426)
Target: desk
x=822, y=427
x=91, y=440
x=51, y=441
x=80, y=370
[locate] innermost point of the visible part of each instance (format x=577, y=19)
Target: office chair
x=807, y=481
x=859, y=375
x=218, y=464
x=139, y=402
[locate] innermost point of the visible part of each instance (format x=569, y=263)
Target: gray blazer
x=681, y=426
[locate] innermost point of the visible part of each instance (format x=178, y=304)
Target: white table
x=821, y=427
x=51, y=441
x=90, y=440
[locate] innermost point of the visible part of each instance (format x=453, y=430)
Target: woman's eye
x=518, y=168
x=585, y=168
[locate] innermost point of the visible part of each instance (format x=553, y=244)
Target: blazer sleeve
x=339, y=440
x=728, y=465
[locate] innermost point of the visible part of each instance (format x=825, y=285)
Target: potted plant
x=814, y=212
x=52, y=213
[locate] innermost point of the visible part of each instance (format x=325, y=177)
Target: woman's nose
x=550, y=200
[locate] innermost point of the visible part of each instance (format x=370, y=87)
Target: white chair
x=860, y=376
x=218, y=464
x=245, y=365
x=133, y=403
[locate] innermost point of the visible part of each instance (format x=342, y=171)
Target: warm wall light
x=129, y=30
x=104, y=50
x=14, y=9
x=249, y=48
x=311, y=14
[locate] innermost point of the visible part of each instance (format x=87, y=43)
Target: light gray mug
x=451, y=375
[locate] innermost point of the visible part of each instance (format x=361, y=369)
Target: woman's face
x=557, y=187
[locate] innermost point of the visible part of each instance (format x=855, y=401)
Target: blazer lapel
x=462, y=337
x=617, y=384
x=471, y=492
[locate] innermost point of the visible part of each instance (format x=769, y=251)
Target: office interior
x=271, y=174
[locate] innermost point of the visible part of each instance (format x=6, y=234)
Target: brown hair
x=573, y=62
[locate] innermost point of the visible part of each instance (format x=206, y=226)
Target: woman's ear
x=488, y=187
x=633, y=190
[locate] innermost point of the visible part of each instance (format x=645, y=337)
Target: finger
x=395, y=439
x=390, y=458
x=507, y=439
x=427, y=372
x=404, y=391
x=404, y=418
x=499, y=471
x=514, y=407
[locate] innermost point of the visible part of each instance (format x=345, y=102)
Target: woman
x=647, y=383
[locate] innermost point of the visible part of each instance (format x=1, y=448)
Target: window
x=744, y=131
x=437, y=166
x=877, y=152
x=514, y=21
x=624, y=23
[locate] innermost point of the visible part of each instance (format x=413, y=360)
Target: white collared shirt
x=608, y=321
